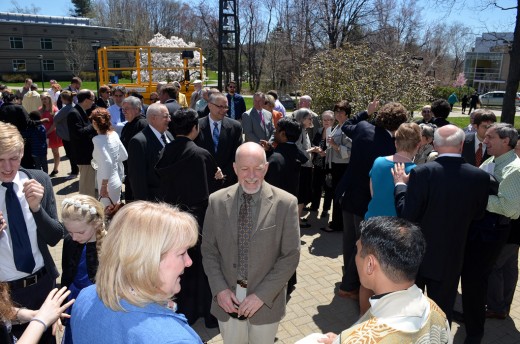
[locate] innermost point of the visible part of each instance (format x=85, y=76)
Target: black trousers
x=442, y=292
x=32, y=297
x=479, y=258
x=318, y=184
x=337, y=217
x=74, y=169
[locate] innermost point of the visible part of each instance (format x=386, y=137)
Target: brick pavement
x=313, y=306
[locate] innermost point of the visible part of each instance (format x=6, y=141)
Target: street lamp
x=95, y=46
x=40, y=57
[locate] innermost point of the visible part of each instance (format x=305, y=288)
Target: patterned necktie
x=121, y=115
x=22, y=251
x=245, y=227
x=215, y=135
x=478, y=155
x=163, y=138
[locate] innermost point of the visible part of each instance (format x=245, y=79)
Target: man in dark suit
x=427, y=117
x=81, y=133
x=488, y=236
x=443, y=197
x=31, y=274
x=135, y=123
x=237, y=105
x=474, y=150
x=286, y=159
x=144, y=150
x=258, y=123
x=223, y=140
x=369, y=141
x=250, y=249
x=441, y=110
x=188, y=175
x=168, y=96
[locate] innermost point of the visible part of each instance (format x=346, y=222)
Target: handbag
x=112, y=208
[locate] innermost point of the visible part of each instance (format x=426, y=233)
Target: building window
x=19, y=66
x=115, y=43
x=48, y=65
x=46, y=43
x=116, y=64
x=16, y=42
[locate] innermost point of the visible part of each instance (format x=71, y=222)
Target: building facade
x=59, y=46
x=487, y=65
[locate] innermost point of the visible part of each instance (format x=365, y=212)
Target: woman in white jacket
x=109, y=154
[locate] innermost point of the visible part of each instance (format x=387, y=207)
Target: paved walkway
x=313, y=306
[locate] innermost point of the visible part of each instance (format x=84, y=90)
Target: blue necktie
x=22, y=252
x=121, y=115
x=215, y=135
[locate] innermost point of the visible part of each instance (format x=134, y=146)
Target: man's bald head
x=448, y=139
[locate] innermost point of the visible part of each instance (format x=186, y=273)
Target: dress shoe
x=354, y=294
x=53, y=173
x=496, y=315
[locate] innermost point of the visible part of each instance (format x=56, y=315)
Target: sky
x=471, y=13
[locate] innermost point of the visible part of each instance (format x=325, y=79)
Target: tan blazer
x=274, y=251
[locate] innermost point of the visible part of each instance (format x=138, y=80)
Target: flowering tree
x=461, y=80
x=357, y=74
x=171, y=61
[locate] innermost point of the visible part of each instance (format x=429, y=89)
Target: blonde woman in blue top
x=141, y=263
x=407, y=141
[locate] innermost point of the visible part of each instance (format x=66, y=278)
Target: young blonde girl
x=83, y=218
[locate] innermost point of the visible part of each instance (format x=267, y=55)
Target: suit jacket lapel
x=266, y=202
x=231, y=210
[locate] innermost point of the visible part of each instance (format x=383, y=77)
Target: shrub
x=14, y=77
x=88, y=76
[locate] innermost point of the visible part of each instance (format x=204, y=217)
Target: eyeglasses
x=224, y=107
x=164, y=116
x=118, y=95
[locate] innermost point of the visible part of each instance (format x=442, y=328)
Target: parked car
x=496, y=98
x=287, y=101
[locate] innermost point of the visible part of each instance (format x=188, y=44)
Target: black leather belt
x=242, y=283
x=28, y=281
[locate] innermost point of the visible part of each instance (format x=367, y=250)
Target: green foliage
x=82, y=8
x=15, y=77
x=88, y=76
x=126, y=74
x=359, y=75
x=443, y=92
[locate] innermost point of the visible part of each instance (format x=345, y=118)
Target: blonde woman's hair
x=44, y=108
x=407, y=137
x=10, y=139
x=139, y=236
x=81, y=208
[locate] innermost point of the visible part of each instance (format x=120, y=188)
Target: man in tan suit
x=248, y=270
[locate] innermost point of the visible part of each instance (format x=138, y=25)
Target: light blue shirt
x=93, y=322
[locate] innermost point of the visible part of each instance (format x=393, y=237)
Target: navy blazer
x=230, y=138
x=368, y=143
x=443, y=197
x=143, y=153
x=468, y=150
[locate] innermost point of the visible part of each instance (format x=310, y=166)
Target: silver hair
x=133, y=101
x=427, y=130
x=506, y=130
x=301, y=114
x=154, y=110
x=327, y=113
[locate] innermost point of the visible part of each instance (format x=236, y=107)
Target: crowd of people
x=216, y=196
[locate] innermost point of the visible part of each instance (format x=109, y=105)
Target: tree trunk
x=513, y=76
